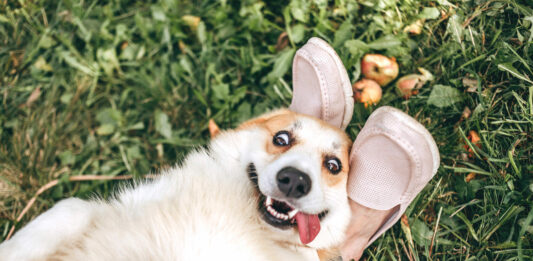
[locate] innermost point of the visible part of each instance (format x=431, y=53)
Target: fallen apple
x=407, y=85
x=379, y=68
x=367, y=91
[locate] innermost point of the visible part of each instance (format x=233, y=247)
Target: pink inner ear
x=321, y=86
x=306, y=96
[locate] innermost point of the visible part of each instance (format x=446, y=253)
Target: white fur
x=205, y=209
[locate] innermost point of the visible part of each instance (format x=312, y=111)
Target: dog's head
x=299, y=165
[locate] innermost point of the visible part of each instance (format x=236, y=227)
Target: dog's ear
x=214, y=130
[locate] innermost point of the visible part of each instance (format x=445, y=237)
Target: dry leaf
x=470, y=84
x=182, y=46
x=473, y=137
x=283, y=41
x=33, y=96
x=415, y=28
x=124, y=45
x=466, y=113
x=405, y=220
x=15, y=59
x=192, y=21
x=470, y=176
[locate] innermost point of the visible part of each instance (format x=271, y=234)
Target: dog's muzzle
x=293, y=182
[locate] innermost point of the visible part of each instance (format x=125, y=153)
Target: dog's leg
x=41, y=237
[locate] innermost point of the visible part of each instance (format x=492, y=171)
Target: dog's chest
x=183, y=216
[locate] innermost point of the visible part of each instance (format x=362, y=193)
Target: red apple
x=367, y=91
x=379, y=68
x=408, y=84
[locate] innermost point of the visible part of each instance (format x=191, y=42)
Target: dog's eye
x=333, y=165
x=282, y=138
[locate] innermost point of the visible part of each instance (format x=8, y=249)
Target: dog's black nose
x=293, y=182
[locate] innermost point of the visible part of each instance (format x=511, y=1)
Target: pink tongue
x=308, y=226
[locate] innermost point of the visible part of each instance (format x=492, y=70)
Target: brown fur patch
x=329, y=254
x=272, y=123
x=334, y=179
x=214, y=130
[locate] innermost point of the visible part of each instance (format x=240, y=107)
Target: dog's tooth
x=272, y=210
x=268, y=201
x=292, y=213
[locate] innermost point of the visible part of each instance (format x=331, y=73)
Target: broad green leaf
x=421, y=233
x=386, y=42
x=46, y=42
x=443, y=96
x=108, y=61
x=162, y=125
x=67, y=157
x=109, y=116
x=244, y=112
x=134, y=152
x=508, y=67
x=300, y=10
x=530, y=20
x=158, y=13
x=238, y=94
x=343, y=33
x=136, y=126
x=201, y=33
x=105, y=129
x=281, y=65
x=297, y=33
x=429, y=13
x=66, y=97
x=356, y=47
x=3, y=19
x=73, y=62
x=186, y=64
x=221, y=91
x=455, y=27
x=445, y=3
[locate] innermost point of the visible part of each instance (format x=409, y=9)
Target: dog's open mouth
x=282, y=215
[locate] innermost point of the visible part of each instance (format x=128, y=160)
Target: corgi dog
x=272, y=189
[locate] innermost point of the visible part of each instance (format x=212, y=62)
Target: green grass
x=90, y=87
